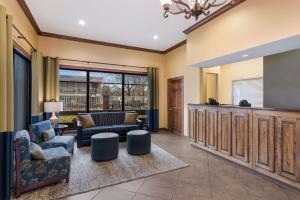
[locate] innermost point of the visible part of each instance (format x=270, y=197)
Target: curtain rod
x=23, y=37
x=101, y=63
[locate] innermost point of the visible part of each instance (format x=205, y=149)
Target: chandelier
x=193, y=8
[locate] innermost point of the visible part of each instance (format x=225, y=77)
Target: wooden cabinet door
x=264, y=140
x=211, y=128
x=288, y=145
x=241, y=134
x=200, y=127
x=192, y=121
x=224, y=131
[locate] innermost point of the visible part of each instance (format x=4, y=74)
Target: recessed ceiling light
x=81, y=22
x=155, y=37
x=245, y=56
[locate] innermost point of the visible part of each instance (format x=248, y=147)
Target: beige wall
x=21, y=21
x=176, y=66
x=236, y=71
x=252, y=23
x=90, y=52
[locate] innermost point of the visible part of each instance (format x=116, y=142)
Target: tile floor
x=207, y=178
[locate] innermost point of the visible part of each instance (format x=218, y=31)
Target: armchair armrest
x=140, y=123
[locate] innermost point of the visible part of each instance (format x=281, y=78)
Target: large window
x=91, y=91
x=73, y=89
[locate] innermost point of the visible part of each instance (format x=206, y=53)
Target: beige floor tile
x=84, y=196
x=131, y=186
x=113, y=194
x=158, y=188
x=185, y=191
x=143, y=197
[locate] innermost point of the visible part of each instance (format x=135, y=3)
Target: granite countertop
x=252, y=108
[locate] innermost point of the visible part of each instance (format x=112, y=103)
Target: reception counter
x=263, y=139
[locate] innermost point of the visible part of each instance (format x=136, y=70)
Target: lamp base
x=53, y=119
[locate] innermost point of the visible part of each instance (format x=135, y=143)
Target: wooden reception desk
x=265, y=140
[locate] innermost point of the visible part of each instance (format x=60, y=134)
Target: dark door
x=22, y=92
x=175, y=105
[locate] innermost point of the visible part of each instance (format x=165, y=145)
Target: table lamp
x=53, y=107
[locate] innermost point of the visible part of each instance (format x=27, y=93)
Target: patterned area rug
x=87, y=175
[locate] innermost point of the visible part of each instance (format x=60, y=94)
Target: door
x=22, y=94
x=224, y=131
x=264, y=140
x=288, y=143
x=211, y=128
x=212, y=86
x=175, y=105
x=242, y=135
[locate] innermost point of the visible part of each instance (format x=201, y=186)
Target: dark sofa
x=106, y=122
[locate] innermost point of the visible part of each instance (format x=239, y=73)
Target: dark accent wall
x=282, y=80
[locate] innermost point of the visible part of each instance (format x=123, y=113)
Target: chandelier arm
x=182, y=3
x=175, y=12
x=218, y=4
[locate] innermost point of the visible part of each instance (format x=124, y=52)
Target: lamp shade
x=165, y=2
x=53, y=106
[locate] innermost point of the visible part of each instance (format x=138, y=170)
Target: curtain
x=153, y=111
x=6, y=103
x=6, y=73
x=37, y=99
x=52, y=79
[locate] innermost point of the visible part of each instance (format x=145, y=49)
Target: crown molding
x=175, y=47
x=29, y=15
x=214, y=15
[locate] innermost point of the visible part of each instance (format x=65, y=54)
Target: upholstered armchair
x=32, y=174
x=36, y=135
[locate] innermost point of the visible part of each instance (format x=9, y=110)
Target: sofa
x=32, y=174
x=36, y=135
x=106, y=122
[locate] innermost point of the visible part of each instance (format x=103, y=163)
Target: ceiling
x=131, y=22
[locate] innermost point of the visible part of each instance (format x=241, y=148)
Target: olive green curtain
x=37, y=74
x=6, y=73
x=52, y=79
x=153, y=111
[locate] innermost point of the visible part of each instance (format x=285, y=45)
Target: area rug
x=87, y=175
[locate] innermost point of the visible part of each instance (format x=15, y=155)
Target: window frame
x=88, y=71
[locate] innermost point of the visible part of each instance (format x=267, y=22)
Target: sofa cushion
x=37, y=130
x=108, y=118
x=86, y=121
x=97, y=129
x=125, y=127
x=130, y=118
x=57, y=163
x=37, y=152
x=59, y=141
x=48, y=134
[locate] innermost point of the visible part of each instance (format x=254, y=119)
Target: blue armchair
x=32, y=174
x=36, y=134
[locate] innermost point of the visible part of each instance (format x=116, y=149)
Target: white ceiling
x=126, y=22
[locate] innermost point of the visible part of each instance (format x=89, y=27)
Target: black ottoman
x=138, y=142
x=105, y=146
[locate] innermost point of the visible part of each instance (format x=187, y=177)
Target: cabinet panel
x=264, y=141
x=200, y=127
x=224, y=131
x=211, y=128
x=288, y=146
x=192, y=120
x=241, y=135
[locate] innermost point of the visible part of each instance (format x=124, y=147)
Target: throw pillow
x=37, y=152
x=48, y=134
x=130, y=118
x=86, y=121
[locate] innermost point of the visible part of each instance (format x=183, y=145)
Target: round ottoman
x=105, y=146
x=138, y=142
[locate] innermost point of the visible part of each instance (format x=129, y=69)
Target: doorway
x=212, y=86
x=22, y=92
x=175, y=105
